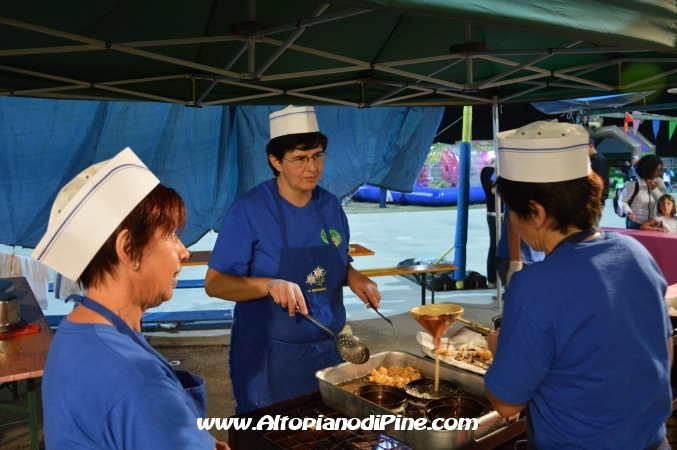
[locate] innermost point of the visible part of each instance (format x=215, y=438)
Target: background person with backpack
x=638, y=200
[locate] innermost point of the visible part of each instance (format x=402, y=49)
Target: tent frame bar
x=323, y=86
x=404, y=86
x=236, y=99
x=646, y=80
x=521, y=66
x=83, y=85
x=404, y=97
x=306, y=23
x=311, y=73
x=425, y=84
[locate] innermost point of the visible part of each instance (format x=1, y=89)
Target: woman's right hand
x=632, y=216
x=287, y=295
x=492, y=341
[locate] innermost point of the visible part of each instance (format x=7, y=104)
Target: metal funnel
x=436, y=319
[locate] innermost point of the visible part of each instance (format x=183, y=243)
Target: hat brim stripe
x=543, y=150
x=85, y=199
x=303, y=113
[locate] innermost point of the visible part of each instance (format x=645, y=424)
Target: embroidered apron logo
x=336, y=238
x=316, y=278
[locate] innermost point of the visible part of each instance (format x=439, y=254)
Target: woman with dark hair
x=113, y=228
x=584, y=342
x=282, y=249
x=639, y=198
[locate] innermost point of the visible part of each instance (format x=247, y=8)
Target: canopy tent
x=358, y=53
x=350, y=52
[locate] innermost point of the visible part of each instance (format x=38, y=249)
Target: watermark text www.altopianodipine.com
x=371, y=423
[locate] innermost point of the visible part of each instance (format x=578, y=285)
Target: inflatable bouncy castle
x=437, y=181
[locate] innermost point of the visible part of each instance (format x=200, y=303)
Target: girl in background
x=665, y=221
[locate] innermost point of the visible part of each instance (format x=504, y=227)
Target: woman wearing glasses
x=283, y=249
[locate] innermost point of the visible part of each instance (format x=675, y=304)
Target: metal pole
x=494, y=120
x=289, y=41
x=251, y=50
x=463, y=198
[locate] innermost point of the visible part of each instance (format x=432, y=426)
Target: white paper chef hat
x=544, y=152
x=292, y=120
x=89, y=208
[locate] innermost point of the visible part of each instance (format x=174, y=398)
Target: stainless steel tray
x=351, y=405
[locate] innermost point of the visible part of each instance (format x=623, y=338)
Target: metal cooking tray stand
x=350, y=405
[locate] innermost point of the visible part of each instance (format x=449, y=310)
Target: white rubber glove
x=514, y=266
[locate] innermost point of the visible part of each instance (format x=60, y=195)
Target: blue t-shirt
x=529, y=255
x=101, y=390
x=584, y=341
x=250, y=242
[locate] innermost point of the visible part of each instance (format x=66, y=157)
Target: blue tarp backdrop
x=210, y=155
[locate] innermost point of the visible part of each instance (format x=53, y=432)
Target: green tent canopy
x=358, y=53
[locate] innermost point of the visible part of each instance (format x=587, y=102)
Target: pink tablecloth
x=662, y=246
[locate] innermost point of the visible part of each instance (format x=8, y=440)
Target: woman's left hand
x=651, y=184
x=363, y=287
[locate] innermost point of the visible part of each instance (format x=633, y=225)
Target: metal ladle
x=350, y=347
x=384, y=317
x=476, y=326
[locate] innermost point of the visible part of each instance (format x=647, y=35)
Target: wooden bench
x=423, y=269
x=23, y=357
x=201, y=258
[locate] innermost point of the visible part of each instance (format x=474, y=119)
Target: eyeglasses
x=302, y=161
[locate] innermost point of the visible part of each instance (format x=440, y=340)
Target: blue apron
x=193, y=387
x=274, y=357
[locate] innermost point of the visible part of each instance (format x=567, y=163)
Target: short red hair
x=162, y=209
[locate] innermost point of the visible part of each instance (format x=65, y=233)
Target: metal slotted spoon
x=350, y=347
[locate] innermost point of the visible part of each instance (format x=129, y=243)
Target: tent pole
x=463, y=198
x=494, y=120
x=251, y=44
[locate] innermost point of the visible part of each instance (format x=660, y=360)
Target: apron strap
x=119, y=324
x=280, y=216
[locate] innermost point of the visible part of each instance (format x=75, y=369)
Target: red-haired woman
x=114, y=228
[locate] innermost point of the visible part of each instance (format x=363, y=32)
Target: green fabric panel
x=643, y=23
x=396, y=30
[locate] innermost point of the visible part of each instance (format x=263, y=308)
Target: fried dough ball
x=394, y=376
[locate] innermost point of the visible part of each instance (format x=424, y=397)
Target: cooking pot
x=421, y=391
x=457, y=407
x=9, y=312
x=389, y=397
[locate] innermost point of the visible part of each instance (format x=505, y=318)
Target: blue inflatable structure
x=420, y=196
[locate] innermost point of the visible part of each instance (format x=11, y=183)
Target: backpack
x=617, y=207
x=474, y=280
